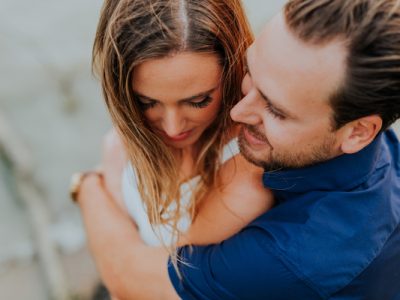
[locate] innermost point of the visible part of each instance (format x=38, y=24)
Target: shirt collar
x=340, y=173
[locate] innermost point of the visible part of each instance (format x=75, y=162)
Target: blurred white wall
x=260, y=11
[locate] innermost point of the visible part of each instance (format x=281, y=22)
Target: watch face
x=76, y=182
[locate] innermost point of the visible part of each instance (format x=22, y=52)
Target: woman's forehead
x=177, y=77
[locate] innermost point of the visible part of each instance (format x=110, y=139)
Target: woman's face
x=180, y=95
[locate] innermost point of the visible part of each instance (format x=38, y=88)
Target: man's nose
x=173, y=123
x=247, y=110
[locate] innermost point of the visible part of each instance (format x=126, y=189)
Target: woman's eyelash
x=206, y=100
x=147, y=105
x=203, y=103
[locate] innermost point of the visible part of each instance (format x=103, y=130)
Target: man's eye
x=203, y=103
x=274, y=113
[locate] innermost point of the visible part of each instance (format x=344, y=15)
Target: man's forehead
x=277, y=22
x=277, y=35
x=295, y=75
x=278, y=51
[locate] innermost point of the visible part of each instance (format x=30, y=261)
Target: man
x=323, y=86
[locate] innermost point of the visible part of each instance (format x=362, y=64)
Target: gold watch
x=77, y=180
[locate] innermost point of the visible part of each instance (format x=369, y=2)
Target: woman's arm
x=129, y=268
x=227, y=209
x=114, y=160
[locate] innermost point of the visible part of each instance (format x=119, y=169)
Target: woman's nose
x=173, y=123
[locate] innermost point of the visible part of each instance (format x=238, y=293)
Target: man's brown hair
x=370, y=29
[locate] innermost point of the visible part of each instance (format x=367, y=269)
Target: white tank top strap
x=230, y=150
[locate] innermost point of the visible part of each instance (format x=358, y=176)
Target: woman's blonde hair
x=131, y=32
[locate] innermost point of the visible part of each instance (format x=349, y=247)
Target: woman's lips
x=180, y=137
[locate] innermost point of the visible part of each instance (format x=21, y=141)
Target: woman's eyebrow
x=202, y=94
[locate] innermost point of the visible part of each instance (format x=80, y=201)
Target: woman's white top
x=137, y=210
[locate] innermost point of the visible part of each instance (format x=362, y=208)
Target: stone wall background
x=54, y=112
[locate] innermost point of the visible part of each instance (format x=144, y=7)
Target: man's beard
x=272, y=160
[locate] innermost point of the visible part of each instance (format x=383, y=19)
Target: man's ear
x=359, y=133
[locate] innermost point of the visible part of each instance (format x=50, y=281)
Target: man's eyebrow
x=199, y=95
x=267, y=99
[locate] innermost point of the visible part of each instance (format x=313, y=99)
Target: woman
x=170, y=72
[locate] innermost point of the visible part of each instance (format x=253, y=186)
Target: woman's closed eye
x=147, y=104
x=203, y=102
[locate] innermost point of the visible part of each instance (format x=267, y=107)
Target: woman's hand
x=113, y=161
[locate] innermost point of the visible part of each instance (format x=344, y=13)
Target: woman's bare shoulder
x=234, y=202
x=242, y=189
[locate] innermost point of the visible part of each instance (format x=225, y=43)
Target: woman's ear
x=360, y=133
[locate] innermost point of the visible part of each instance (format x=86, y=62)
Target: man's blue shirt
x=334, y=234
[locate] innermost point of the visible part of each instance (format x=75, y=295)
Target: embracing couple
x=297, y=198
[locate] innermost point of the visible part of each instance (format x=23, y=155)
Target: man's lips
x=252, y=139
